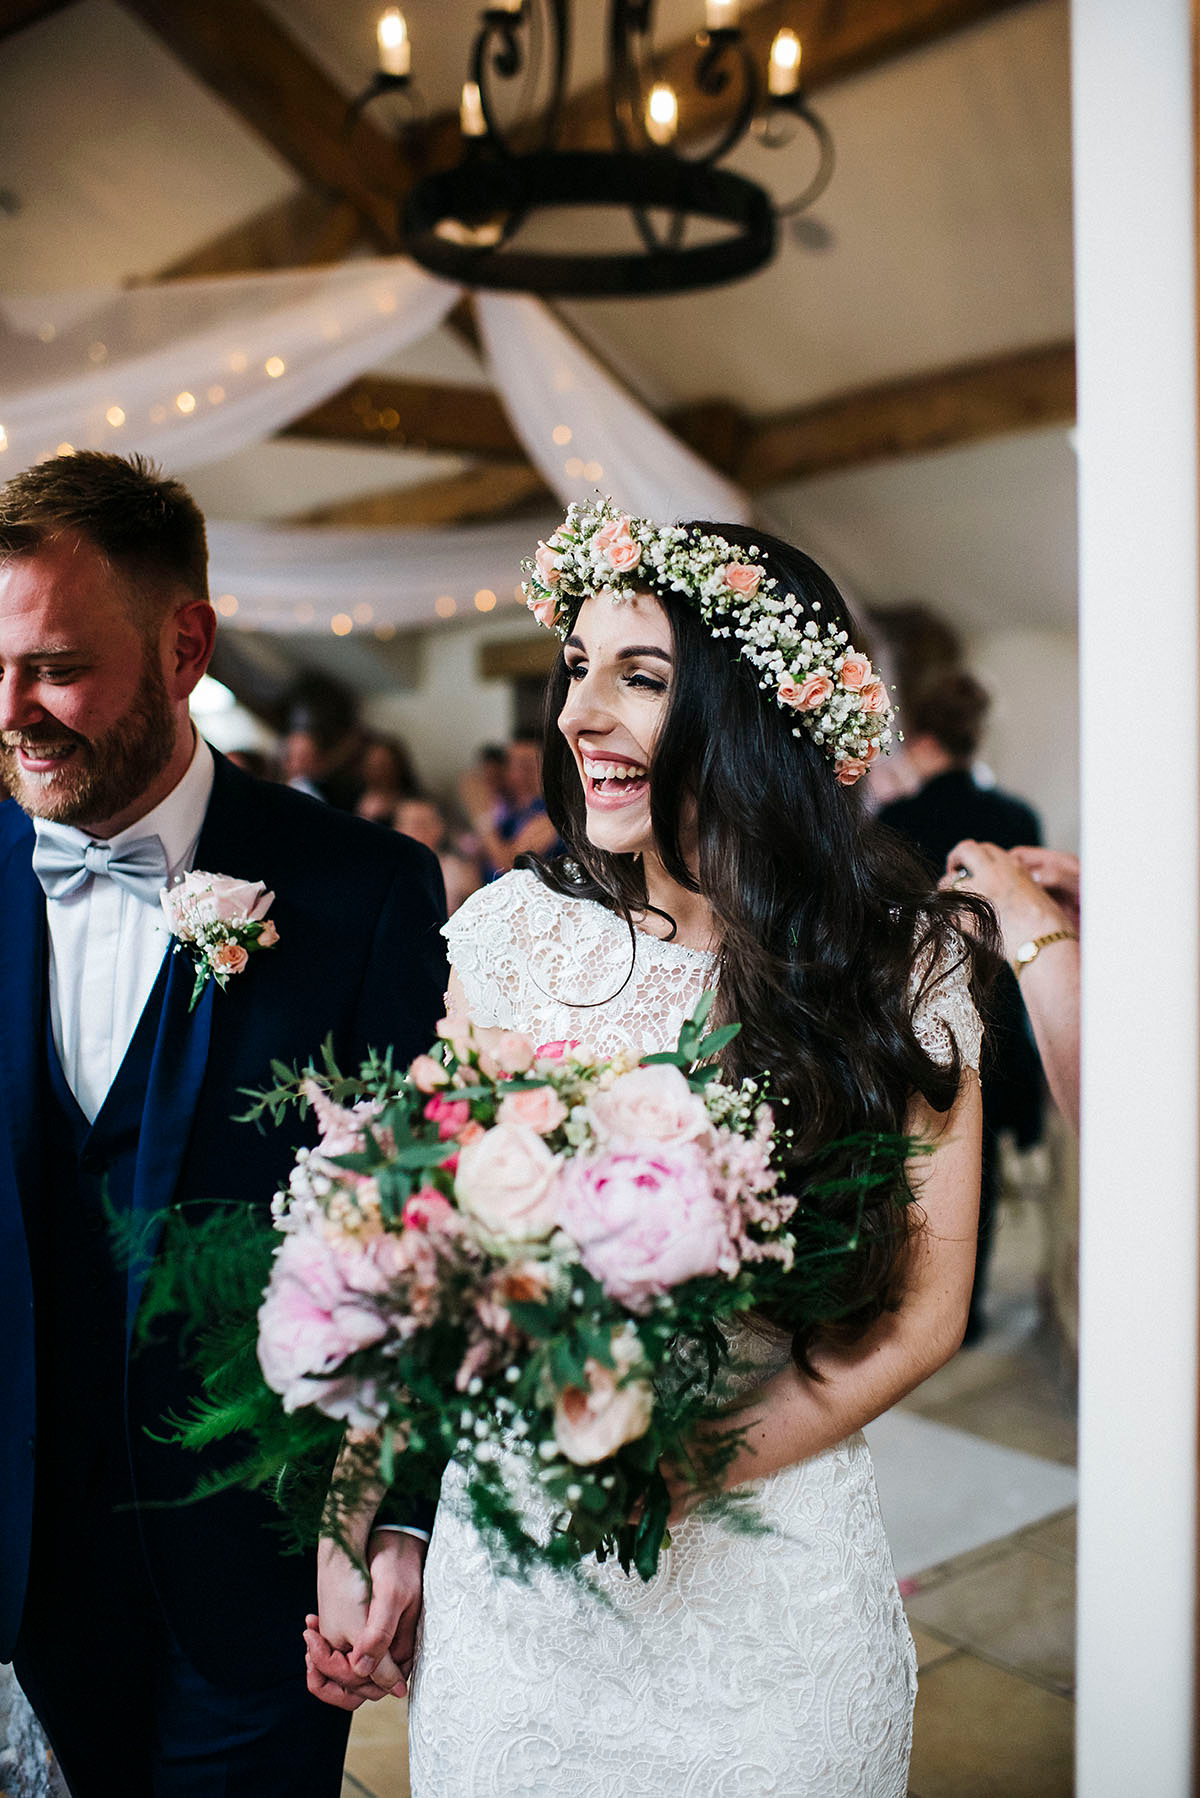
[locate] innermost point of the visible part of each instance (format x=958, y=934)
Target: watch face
x=1027, y=951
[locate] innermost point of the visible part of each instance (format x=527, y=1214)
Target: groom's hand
x=359, y=1649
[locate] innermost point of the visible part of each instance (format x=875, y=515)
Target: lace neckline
x=682, y=952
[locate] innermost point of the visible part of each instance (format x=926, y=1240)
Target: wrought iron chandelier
x=694, y=223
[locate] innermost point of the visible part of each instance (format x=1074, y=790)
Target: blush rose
x=538, y=1108
x=653, y=1104
x=505, y=1181
x=808, y=695
x=592, y=1422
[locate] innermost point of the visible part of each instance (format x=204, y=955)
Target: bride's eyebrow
x=643, y=649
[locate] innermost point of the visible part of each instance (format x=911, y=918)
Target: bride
x=709, y=720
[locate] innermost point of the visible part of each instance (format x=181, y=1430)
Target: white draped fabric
x=582, y=430
x=191, y=371
x=301, y=578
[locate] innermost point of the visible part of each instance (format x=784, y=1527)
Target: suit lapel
x=22, y=969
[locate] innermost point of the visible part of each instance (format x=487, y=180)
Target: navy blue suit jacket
x=359, y=958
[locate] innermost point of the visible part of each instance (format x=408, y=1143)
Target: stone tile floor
x=994, y=1628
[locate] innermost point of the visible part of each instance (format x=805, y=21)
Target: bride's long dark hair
x=822, y=918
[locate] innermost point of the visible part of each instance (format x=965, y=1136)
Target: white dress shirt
x=107, y=944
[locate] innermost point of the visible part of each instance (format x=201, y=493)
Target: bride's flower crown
x=823, y=680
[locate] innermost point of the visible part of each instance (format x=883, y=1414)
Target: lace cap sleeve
x=484, y=938
x=945, y=1014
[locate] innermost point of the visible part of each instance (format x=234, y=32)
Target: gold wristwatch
x=1030, y=951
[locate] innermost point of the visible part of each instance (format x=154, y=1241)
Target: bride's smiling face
x=619, y=660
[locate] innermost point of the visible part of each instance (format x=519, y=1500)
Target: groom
x=160, y=1644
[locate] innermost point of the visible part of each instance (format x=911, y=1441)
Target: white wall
x=1032, y=741
x=452, y=711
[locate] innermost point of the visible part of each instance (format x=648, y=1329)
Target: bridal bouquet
x=532, y=1261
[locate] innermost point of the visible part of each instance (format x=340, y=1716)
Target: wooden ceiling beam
x=241, y=52
x=307, y=230
x=423, y=415
x=1016, y=392
x=478, y=495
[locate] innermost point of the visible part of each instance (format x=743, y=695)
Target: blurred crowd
x=496, y=814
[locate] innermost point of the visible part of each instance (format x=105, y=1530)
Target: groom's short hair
x=147, y=528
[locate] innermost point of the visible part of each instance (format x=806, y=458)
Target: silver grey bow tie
x=62, y=864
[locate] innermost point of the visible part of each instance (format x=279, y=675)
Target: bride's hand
x=360, y=1648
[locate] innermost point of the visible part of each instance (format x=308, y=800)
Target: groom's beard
x=104, y=775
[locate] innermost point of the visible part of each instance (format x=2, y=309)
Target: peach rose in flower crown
x=743, y=577
x=857, y=672
x=653, y=1104
x=874, y=698
x=537, y=1108
x=545, y=610
x=506, y=1181
x=808, y=695
x=850, y=771
x=614, y=542
x=593, y=1422
x=548, y=564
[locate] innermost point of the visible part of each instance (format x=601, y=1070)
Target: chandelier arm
x=627, y=20
x=558, y=13
x=827, y=159
x=495, y=52
x=713, y=78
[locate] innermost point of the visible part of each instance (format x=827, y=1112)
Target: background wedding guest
x=942, y=734
x=424, y=819
x=521, y=827
x=388, y=777
x=323, y=744
x=1035, y=895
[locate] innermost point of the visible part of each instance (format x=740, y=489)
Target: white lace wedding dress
x=770, y=1666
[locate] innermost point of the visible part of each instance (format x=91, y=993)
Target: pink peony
x=653, y=1104
x=537, y=1108
x=645, y=1220
x=506, y=1182
x=229, y=958
x=808, y=695
x=874, y=697
x=201, y=898
x=857, y=672
x=616, y=1407
x=742, y=578
x=615, y=544
x=427, y=1074
x=548, y=563
x=448, y=1114
x=316, y=1313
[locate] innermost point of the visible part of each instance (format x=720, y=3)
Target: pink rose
x=506, y=1182
x=427, y=1210
x=615, y=544
x=201, y=898
x=742, y=578
x=554, y=1051
x=537, y=1108
x=615, y=1407
x=448, y=1114
x=513, y=1053
x=653, y=1104
x=229, y=958
x=874, y=697
x=809, y=695
x=857, y=672
x=312, y=1318
x=850, y=771
x=427, y=1075
x=548, y=563
x=458, y=1033
x=645, y=1220
x=545, y=610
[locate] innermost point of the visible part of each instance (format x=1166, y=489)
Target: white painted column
x=1140, y=690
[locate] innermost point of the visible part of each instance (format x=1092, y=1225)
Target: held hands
x=360, y=1646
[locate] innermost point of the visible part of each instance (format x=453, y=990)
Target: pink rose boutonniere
x=220, y=922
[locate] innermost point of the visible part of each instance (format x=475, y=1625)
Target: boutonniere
x=220, y=922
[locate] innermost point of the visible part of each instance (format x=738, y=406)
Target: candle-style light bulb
x=395, y=51
x=721, y=15
x=470, y=113
x=783, y=70
x=662, y=114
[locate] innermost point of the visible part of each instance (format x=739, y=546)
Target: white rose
x=505, y=1181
